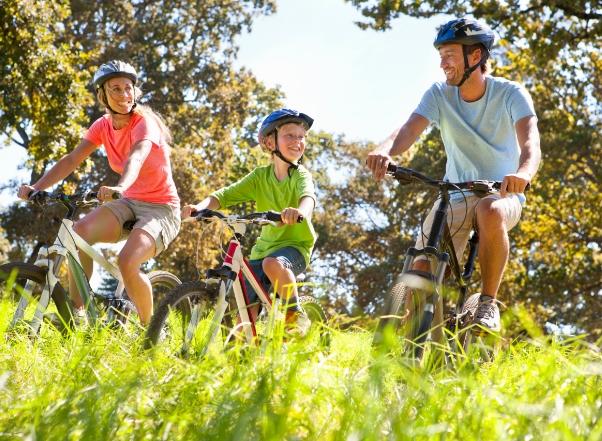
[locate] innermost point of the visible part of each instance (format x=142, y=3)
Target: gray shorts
x=161, y=221
x=461, y=218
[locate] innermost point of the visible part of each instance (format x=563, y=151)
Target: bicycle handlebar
x=42, y=197
x=407, y=176
x=259, y=218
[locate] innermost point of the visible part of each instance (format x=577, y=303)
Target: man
x=489, y=130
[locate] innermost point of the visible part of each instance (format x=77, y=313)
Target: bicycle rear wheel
x=317, y=316
x=183, y=319
x=24, y=283
x=162, y=282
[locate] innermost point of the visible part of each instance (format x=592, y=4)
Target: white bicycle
x=37, y=286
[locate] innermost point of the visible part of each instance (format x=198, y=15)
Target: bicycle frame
x=230, y=277
x=65, y=245
x=432, y=281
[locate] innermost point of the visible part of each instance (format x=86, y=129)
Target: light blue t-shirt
x=479, y=137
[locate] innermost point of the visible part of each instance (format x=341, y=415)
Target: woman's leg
x=139, y=248
x=100, y=225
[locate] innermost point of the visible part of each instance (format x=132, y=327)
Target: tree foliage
x=553, y=47
x=184, y=52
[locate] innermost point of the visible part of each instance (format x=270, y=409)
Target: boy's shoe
x=487, y=316
x=297, y=322
x=80, y=318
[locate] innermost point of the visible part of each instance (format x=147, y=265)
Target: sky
x=363, y=84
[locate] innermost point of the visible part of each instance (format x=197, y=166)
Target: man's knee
x=490, y=217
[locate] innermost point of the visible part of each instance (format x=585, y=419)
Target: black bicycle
x=414, y=306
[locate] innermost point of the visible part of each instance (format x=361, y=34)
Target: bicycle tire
x=396, y=299
x=317, y=316
x=162, y=282
x=468, y=312
x=171, y=321
x=30, y=272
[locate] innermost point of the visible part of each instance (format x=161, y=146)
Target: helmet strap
x=277, y=152
x=469, y=70
x=114, y=111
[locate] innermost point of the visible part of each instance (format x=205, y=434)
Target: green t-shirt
x=268, y=193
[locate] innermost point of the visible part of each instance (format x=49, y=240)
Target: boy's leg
x=282, y=267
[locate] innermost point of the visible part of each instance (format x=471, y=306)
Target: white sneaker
x=487, y=316
x=297, y=322
x=79, y=317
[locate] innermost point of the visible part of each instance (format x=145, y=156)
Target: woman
x=136, y=142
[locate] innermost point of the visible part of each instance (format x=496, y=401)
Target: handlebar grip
x=274, y=216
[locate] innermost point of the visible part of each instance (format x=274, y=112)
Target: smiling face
x=452, y=62
x=120, y=94
x=291, y=141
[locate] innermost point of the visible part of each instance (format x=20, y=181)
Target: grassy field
x=100, y=385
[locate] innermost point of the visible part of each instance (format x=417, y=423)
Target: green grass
x=101, y=385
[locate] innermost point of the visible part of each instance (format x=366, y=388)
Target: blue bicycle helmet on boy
x=467, y=32
x=281, y=117
x=277, y=119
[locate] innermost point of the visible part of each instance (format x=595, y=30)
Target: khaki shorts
x=461, y=217
x=161, y=221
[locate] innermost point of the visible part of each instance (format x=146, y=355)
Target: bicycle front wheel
x=182, y=322
x=394, y=313
x=24, y=283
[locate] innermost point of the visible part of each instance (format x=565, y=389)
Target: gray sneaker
x=487, y=316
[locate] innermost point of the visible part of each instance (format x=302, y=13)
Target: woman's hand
x=24, y=191
x=187, y=211
x=107, y=193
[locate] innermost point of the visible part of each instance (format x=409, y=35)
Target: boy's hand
x=290, y=215
x=187, y=211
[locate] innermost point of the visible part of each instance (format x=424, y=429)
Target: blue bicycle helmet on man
x=468, y=33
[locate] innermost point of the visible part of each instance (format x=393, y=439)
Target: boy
x=281, y=253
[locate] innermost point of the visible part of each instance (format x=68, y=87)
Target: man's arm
x=396, y=144
x=530, y=156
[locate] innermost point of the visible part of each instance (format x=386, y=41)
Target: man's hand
x=106, y=193
x=377, y=162
x=515, y=183
x=290, y=215
x=24, y=191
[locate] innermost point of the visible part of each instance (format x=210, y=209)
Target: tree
x=551, y=46
x=184, y=51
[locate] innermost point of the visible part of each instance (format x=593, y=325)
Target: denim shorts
x=290, y=258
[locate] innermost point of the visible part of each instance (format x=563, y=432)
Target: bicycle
x=195, y=313
x=37, y=284
x=421, y=293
